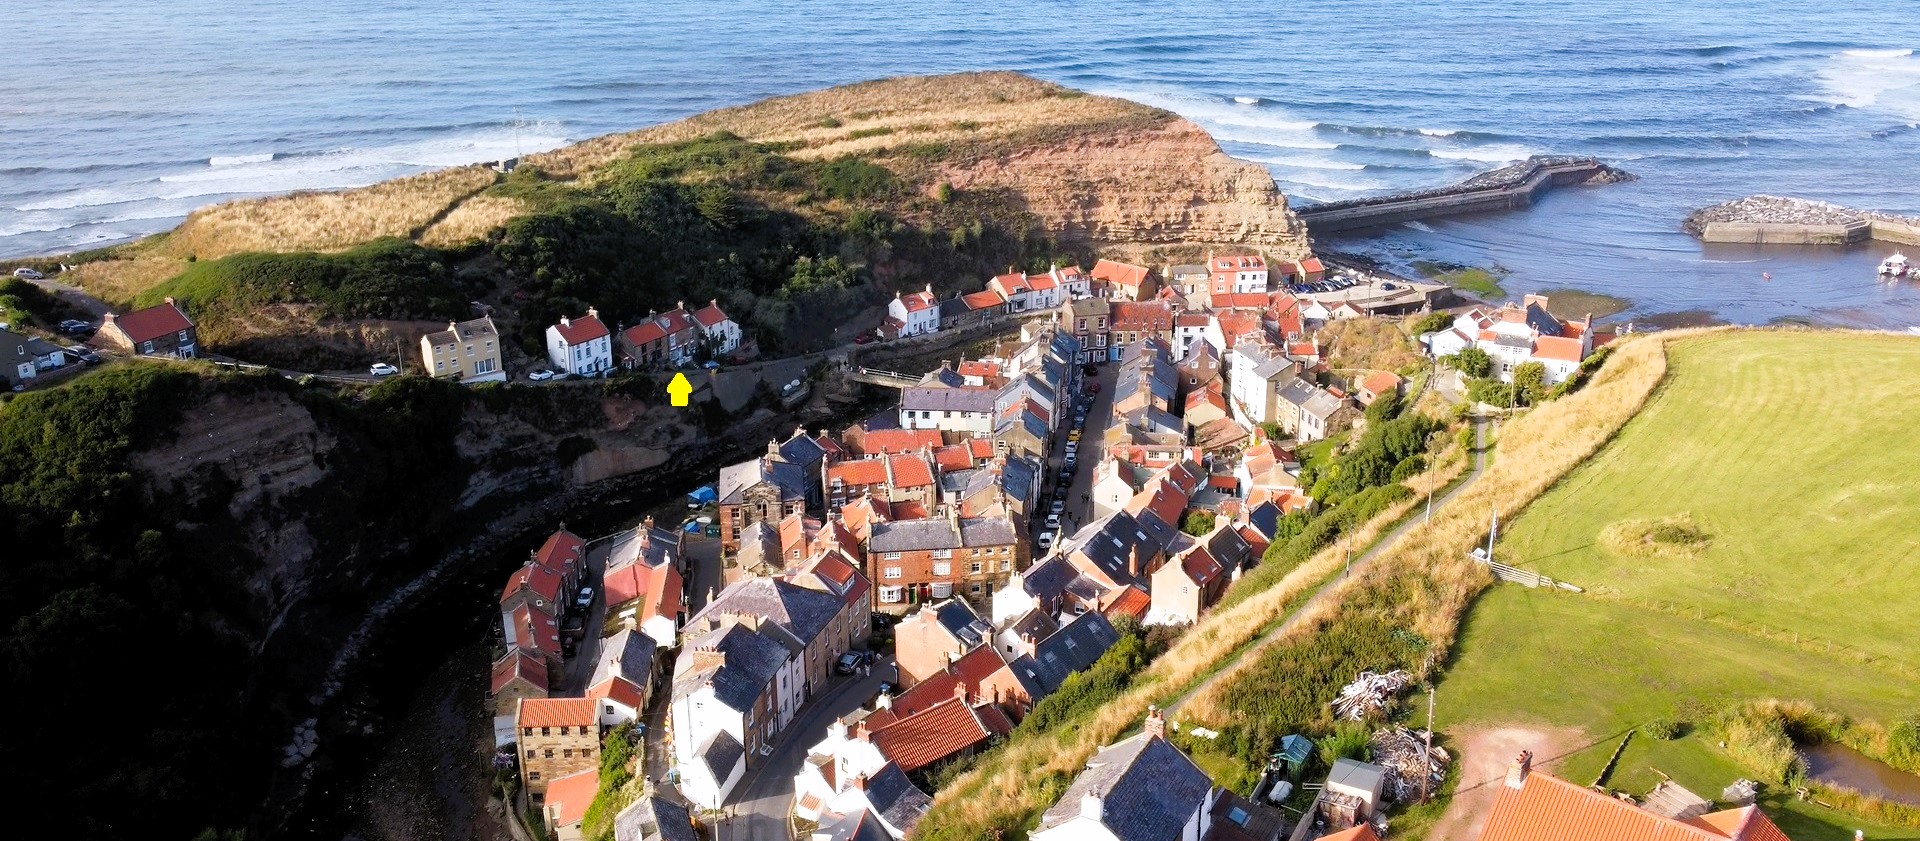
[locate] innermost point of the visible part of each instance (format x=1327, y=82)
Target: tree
x=1490, y=392
x=1433, y=322
x=1385, y=407
x=1471, y=361
x=1198, y=523
x=1530, y=382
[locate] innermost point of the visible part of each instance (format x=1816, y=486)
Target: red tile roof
x=1236, y=262
x=885, y=441
x=984, y=299
x=1038, y=282
x=1547, y=808
x=1362, y=832
x=909, y=510
x=579, y=331
x=563, y=551
x=1127, y=601
x=1012, y=283
x=1142, y=316
x=1161, y=497
x=1125, y=274
x=1312, y=264
x=1557, y=348
x=536, y=632
x=557, y=712
x=858, y=472
x=1307, y=350
x=933, y=734
x=981, y=448
x=918, y=301
x=1380, y=382
x=660, y=589
x=659, y=327
x=952, y=458
x=1239, y=300
x=710, y=316
x=1201, y=566
x=568, y=797
x=909, y=471
x=519, y=664
x=976, y=368
x=153, y=322
x=542, y=581
x=620, y=691
x=860, y=515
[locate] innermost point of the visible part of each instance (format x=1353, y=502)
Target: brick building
x=557, y=737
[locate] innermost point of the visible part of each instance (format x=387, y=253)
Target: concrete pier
x=1506, y=188
x=1772, y=220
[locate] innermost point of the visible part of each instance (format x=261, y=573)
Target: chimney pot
x=1156, y=725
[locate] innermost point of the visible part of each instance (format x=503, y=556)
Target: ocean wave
x=1879, y=79
x=1401, y=151
x=287, y=172
x=1485, y=154
x=1211, y=111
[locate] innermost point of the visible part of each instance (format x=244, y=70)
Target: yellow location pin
x=679, y=389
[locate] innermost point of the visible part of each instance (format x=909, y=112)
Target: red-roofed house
x=1517, y=334
x=1185, y=585
x=984, y=673
x=653, y=598
x=848, y=481
x=1129, y=601
x=1237, y=273
x=160, y=330
x=664, y=339
x=954, y=727
x=913, y=314
x=557, y=737
x=1311, y=270
x=1533, y=805
x=1132, y=321
x=1377, y=384
x=564, y=553
x=722, y=333
x=1125, y=281
x=1206, y=404
x=580, y=346
x=879, y=442
x=567, y=800
x=517, y=675
x=532, y=586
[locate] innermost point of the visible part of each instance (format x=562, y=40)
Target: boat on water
x=1247, y=100
x=1895, y=266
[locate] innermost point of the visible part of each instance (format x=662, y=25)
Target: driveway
x=763, y=800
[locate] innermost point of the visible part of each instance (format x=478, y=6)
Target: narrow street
x=1092, y=450
x=763, y=800
x=1359, y=562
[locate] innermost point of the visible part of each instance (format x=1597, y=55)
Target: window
x=586, y=753
x=943, y=553
x=890, y=572
x=942, y=568
x=529, y=753
x=529, y=732
x=1006, y=566
x=976, y=567
x=543, y=732
x=890, y=595
x=146, y=347
x=566, y=753
x=975, y=589
x=890, y=556
x=533, y=775
x=549, y=753
x=183, y=335
x=469, y=350
x=609, y=708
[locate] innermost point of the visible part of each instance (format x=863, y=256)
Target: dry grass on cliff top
x=962, y=110
x=403, y=207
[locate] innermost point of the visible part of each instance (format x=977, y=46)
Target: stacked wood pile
x=1369, y=694
x=1403, y=753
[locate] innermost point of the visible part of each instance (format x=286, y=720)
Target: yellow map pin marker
x=679, y=389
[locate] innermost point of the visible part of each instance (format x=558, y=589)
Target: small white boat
x=1247, y=100
x=1895, y=266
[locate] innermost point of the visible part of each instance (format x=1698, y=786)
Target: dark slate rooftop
x=913, y=535
x=1266, y=518
x=1072, y=648
x=859, y=826
x=752, y=661
x=987, y=531
x=959, y=619
x=801, y=449
x=736, y=478
x=628, y=654
x=1148, y=787
x=1230, y=549
x=1048, y=579
x=1298, y=392
x=654, y=819
x=923, y=398
x=897, y=799
x=1017, y=476
x=720, y=754
x=803, y=612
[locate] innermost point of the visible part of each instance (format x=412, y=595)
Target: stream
x=1838, y=765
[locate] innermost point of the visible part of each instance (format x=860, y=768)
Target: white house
x=580, y=346
x=1255, y=370
x=722, y=331
x=1188, y=326
x=963, y=409
x=1516, y=334
x=26, y=357
x=915, y=314
x=723, y=707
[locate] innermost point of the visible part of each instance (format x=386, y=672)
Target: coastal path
x=1325, y=592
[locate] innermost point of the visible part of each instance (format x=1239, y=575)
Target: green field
x=1797, y=455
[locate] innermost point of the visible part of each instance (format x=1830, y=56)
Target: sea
x=118, y=118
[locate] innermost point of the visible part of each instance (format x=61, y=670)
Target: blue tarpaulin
x=703, y=494
x=691, y=527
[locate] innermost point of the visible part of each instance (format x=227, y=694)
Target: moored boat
x=1895, y=266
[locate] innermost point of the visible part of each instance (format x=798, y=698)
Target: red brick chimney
x=1156, y=726
x=960, y=691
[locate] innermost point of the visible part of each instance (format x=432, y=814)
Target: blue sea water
x=117, y=118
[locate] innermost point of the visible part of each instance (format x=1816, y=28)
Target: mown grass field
x=1795, y=453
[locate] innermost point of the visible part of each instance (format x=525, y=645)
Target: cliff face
x=1132, y=191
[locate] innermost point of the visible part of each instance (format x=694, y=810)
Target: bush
x=1198, y=523
x=23, y=302
x=1664, y=729
x=1472, y=361
x=1668, y=537
x=1432, y=322
x=1491, y=392
x=385, y=278
x=1083, y=691
x=1347, y=741
x=1530, y=382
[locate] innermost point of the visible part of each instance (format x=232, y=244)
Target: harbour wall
x=1503, y=189
x=1792, y=233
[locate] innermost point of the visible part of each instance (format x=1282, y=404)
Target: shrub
x=1197, y=523
x=1668, y=537
x=1082, y=691
x=386, y=278
x=1664, y=729
x=1471, y=361
x=1530, y=382
x=1903, y=744
x=1432, y=322
x=1347, y=741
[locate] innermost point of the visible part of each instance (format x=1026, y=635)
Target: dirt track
x=1484, y=756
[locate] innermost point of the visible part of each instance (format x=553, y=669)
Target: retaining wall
x=1789, y=233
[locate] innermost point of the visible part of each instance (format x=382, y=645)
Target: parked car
x=84, y=354
x=1059, y=506
x=382, y=369
x=847, y=664
x=540, y=376
x=710, y=365
x=1045, y=541
x=1053, y=521
x=584, y=600
x=28, y=274
x=863, y=339
x=75, y=327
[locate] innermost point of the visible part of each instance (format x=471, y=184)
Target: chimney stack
x=1156, y=726
x=883, y=702
x=1091, y=806
x=1517, y=772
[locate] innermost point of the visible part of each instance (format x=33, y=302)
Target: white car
x=382, y=369
x=540, y=376
x=1053, y=521
x=1046, y=541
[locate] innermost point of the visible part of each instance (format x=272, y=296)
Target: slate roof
x=987, y=531
x=1017, y=475
x=913, y=535
x=1229, y=548
x=896, y=799
x=1149, y=789
x=963, y=399
x=1323, y=404
x=859, y=826
x=1072, y=648
x=803, y=612
x=802, y=449
x=720, y=753
x=954, y=307
x=736, y=478
x=958, y=618
x=1048, y=579
x=751, y=662
x=1298, y=392
x=628, y=654
x=654, y=819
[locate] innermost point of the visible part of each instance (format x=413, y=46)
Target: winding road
x=1326, y=590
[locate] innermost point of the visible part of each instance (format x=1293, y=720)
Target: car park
x=540, y=376
x=382, y=369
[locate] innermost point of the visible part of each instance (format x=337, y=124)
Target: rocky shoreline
x=1774, y=216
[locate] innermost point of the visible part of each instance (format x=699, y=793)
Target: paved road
x=1326, y=591
x=764, y=797
x=1092, y=449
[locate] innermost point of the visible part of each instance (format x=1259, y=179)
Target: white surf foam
x=1497, y=154
x=1439, y=132
x=1886, y=80
x=232, y=160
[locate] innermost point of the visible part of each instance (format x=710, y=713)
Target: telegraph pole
x=1426, y=754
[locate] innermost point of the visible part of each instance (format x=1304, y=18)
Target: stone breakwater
x=1513, y=186
x=1774, y=220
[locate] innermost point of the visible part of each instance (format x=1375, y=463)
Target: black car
x=76, y=327
x=84, y=354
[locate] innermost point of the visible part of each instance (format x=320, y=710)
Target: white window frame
x=891, y=573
